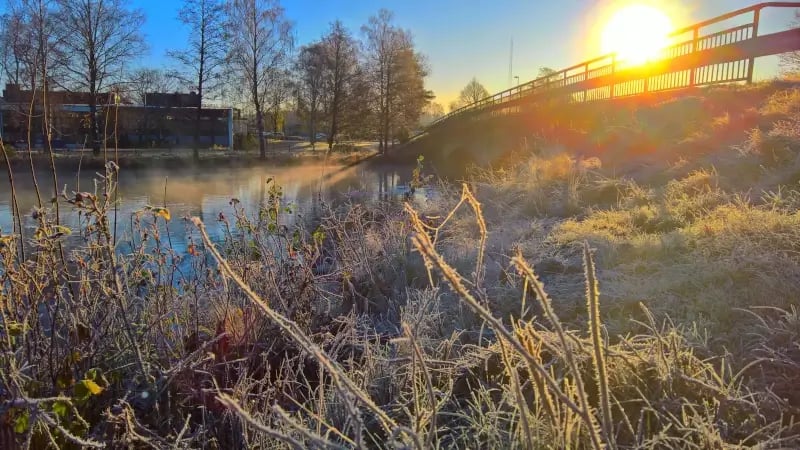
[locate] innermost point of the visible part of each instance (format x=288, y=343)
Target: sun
x=636, y=33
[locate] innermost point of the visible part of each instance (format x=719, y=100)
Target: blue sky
x=466, y=38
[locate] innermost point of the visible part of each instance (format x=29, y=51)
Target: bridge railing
x=697, y=58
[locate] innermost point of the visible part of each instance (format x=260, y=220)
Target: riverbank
x=181, y=159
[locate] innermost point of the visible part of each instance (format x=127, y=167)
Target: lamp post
x=516, y=77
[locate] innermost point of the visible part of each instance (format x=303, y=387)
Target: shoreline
x=181, y=159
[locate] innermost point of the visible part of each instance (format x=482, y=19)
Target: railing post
x=585, y=80
x=695, y=34
x=752, y=61
x=613, y=72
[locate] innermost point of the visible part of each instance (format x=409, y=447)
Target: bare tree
x=333, y=88
x=46, y=38
x=261, y=41
x=431, y=113
x=396, y=72
x=790, y=61
x=547, y=74
x=19, y=60
x=279, y=92
x=101, y=37
x=342, y=69
x=143, y=81
x=410, y=95
x=310, y=70
x=358, y=118
x=31, y=41
x=473, y=92
x=204, y=58
x=382, y=42
x=16, y=46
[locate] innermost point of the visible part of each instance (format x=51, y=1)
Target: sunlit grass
x=553, y=303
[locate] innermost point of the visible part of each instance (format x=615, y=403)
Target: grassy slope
x=428, y=328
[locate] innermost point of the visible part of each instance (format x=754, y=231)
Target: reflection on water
x=207, y=192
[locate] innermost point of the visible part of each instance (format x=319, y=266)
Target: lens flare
x=636, y=33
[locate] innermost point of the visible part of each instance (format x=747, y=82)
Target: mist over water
x=206, y=193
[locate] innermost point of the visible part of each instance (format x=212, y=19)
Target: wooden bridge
x=698, y=58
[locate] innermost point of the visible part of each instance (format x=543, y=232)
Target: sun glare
x=636, y=33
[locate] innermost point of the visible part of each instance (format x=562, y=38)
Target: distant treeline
x=239, y=52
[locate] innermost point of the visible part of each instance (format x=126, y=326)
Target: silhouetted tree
x=472, y=93
x=545, y=72
x=410, y=94
x=32, y=51
x=310, y=69
x=340, y=78
x=396, y=73
x=261, y=41
x=790, y=62
x=204, y=57
x=16, y=45
x=100, y=37
x=279, y=92
x=431, y=112
x=334, y=88
x=548, y=74
x=143, y=81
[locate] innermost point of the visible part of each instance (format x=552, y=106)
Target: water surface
x=206, y=193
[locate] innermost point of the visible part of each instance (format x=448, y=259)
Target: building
x=165, y=120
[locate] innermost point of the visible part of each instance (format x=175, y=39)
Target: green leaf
x=15, y=328
x=159, y=212
x=86, y=388
x=319, y=236
x=93, y=387
x=93, y=374
x=81, y=392
x=22, y=422
x=60, y=408
x=5, y=240
x=64, y=379
x=163, y=212
x=60, y=229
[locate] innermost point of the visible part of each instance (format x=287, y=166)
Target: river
x=207, y=192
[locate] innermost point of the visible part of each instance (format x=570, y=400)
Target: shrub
x=776, y=147
x=784, y=103
x=344, y=147
x=417, y=328
x=687, y=199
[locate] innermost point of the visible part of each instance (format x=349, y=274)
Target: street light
x=516, y=77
